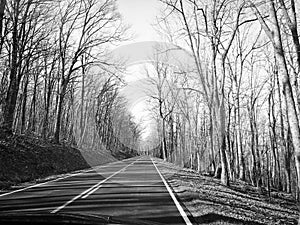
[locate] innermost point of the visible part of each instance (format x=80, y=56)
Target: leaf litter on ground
x=210, y=202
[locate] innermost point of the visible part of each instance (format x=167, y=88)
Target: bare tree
x=275, y=36
x=88, y=24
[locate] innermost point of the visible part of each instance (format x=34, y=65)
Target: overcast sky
x=141, y=14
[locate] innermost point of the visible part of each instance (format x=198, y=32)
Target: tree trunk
x=59, y=111
x=12, y=92
x=275, y=38
x=287, y=91
x=24, y=105
x=211, y=134
x=2, y=10
x=223, y=158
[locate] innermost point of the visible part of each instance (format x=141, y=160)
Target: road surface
x=132, y=188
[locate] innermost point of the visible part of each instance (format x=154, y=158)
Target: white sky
x=140, y=15
x=136, y=95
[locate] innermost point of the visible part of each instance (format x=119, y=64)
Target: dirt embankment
x=25, y=159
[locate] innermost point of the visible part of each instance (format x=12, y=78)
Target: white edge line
x=60, y=178
x=89, y=191
x=179, y=207
x=40, y=184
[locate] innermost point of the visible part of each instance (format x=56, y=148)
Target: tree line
x=55, y=67
x=236, y=113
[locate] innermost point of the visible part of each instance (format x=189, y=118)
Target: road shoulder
x=210, y=202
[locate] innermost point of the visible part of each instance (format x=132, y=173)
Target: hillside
x=26, y=158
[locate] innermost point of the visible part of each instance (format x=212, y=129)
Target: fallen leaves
x=212, y=203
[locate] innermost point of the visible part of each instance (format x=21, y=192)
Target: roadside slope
x=24, y=158
x=212, y=203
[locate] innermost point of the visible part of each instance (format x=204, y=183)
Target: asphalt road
x=132, y=188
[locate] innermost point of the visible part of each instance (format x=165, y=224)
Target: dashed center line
x=60, y=178
x=91, y=190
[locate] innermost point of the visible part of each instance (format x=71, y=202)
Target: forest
x=234, y=114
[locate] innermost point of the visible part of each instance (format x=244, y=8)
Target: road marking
x=40, y=184
x=60, y=178
x=180, y=209
x=97, y=186
x=91, y=190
